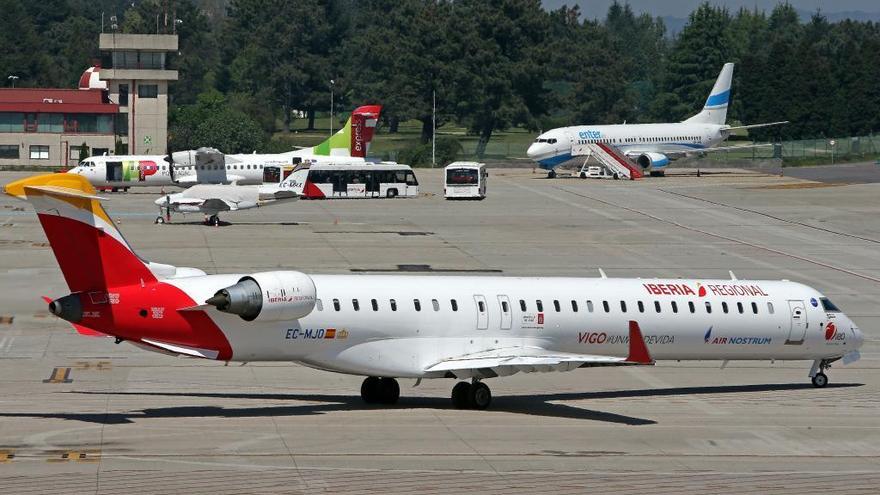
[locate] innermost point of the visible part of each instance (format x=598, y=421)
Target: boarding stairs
x=610, y=157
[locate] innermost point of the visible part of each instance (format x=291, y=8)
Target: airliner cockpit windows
x=551, y=141
x=828, y=306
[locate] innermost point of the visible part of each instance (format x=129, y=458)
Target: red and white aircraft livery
x=388, y=327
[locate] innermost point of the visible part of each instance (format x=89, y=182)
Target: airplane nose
x=533, y=150
x=860, y=337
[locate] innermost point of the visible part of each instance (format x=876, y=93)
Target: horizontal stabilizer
x=755, y=126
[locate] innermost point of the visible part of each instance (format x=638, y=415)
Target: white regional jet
x=213, y=199
x=209, y=166
x=418, y=327
x=651, y=146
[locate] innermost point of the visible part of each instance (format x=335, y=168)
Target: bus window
x=460, y=176
x=411, y=179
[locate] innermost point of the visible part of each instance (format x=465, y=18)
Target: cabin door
x=798, y=328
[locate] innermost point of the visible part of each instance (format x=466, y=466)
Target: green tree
x=212, y=122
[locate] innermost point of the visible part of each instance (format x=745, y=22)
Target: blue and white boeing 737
x=651, y=146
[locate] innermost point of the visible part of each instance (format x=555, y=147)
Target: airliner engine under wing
x=651, y=146
x=388, y=327
x=213, y=199
x=210, y=166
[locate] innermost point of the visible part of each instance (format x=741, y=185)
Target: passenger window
x=708, y=307
x=556, y=305
x=606, y=307
x=590, y=306
x=319, y=305
x=574, y=306
x=656, y=306
x=540, y=305
x=739, y=306
x=724, y=307
x=375, y=304
x=755, y=308
x=504, y=307
x=393, y=305
x=522, y=305
x=481, y=305
x=692, y=307
x=641, y=307
x=674, y=307
x=336, y=304
x=355, y=305
x=417, y=304
x=454, y=305
x=623, y=306
x=770, y=308
x=435, y=304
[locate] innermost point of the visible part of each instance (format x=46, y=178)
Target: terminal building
x=119, y=107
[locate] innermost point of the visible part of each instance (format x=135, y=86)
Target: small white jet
x=418, y=327
x=209, y=166
x=212, y=199
x=651, y=146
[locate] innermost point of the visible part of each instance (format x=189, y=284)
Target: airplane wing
x=217, y=204
x=511, y=360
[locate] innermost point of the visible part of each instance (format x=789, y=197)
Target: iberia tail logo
x=701, y=291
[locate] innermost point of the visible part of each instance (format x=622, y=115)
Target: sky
x=681, y=8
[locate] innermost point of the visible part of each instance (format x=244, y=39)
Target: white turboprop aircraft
x=418, y=327
x=210, y=166
x=651, y=146
x=213, y=199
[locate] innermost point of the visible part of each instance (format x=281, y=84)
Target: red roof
x=55, y=101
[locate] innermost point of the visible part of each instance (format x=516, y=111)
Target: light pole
x=13, y=79
x=332, y=83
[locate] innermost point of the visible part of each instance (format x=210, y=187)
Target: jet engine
x=653, y=162
x=268, y=296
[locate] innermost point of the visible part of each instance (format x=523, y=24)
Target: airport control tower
x=134, y=67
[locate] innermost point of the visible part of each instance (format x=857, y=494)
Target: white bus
x=465, y=180
x=367, y=180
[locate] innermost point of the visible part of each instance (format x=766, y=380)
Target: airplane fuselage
x=398, y=326
x=554, y=147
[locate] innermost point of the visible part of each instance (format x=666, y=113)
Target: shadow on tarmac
x=538, y=405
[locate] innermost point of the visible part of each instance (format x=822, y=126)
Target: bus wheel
x=392, y=193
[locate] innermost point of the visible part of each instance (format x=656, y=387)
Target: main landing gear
x=551, y=174
x=213, y=220
x=817, y=372
x=474, y=395
x=377, y=390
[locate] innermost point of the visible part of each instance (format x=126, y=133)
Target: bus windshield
x=462, y=176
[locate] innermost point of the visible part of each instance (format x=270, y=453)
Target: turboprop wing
x=511, y=360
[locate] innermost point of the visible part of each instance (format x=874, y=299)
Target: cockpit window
x=829, y=306
x=552, y=140
x=546, y=140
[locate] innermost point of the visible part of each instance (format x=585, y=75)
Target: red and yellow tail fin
x=92, y=253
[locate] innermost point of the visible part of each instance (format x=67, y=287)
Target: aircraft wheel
x=820, y=380
x=461, y=395
x=480, y=396
x=389, y=391
x=370, y=389
x=160, y=220
x=551, y=174
x=214, y=220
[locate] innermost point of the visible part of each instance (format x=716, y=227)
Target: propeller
x=170, y=159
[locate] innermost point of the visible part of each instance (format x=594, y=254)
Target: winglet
x=638, y=351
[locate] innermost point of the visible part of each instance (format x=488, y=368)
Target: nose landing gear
x=817, y=372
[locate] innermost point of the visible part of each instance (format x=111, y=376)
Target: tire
x=551, y=174
x=159, y=220
x=480, y=396
x=370, y=389
x=391, y=193
x=389, y=391
x=820, y=380
x=616, y=176
x=461, y=395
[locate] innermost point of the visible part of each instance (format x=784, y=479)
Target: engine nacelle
x=652, y=161
x=201, y=156
x=268, y=296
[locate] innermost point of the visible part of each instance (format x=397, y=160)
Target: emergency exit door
x=482, y=313
x=798, y=329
